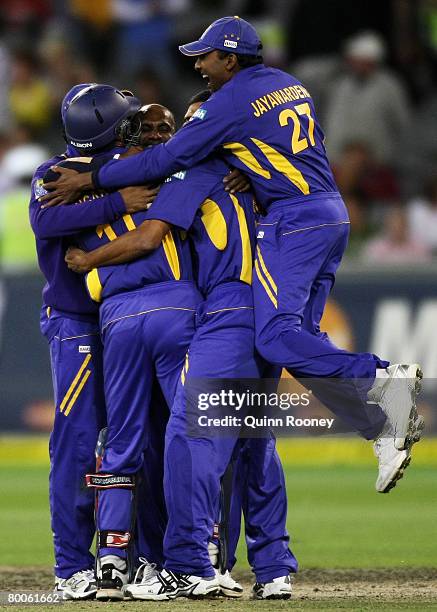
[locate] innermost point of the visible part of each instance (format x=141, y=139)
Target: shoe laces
x=146, y=569
x=88, y=574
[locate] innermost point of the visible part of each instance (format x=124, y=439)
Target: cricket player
x=264, y=121
x=157, y=125
x=146, y=322
x=221, y=228
x=69, y=321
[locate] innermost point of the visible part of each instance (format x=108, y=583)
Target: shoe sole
x=172, y=596
x=139, y=597
x=211, y=595
x=68, y=597
x=407, y=441
x=397, y=475
x=191, y=593
x=276, y=596
x=109, y=595
x=230, y=593
x=416, y=434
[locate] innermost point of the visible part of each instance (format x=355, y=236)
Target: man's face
x=191, y=110
x=214, y=70
x=157, y=125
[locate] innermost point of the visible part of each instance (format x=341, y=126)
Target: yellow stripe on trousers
x=77, y=392
x=265, y=285
x=266, y=272
x=75, y=381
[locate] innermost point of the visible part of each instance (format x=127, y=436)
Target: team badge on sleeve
x=200, y=113
x=177, y=175
x=38, y=188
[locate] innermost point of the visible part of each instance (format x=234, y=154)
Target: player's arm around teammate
x=69, y=321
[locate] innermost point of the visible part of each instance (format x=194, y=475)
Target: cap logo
x=231, y=43
x=82, y=145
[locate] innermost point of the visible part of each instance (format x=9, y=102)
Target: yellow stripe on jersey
x=106, y=229
x=171, y=253
x=84, y=160
x=77, y=392
x=281, y=164
x=248, y=159
x=185, y=369
x=246, y=249
x=215, y=224
x=94, y=285
x=265, y=285
x=75, y=381
x=129, y=222
x=266, y=272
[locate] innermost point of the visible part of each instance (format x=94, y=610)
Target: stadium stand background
x=384, y=159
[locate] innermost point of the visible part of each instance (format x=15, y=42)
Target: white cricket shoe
x=145, y=572
x=393, y=462
x=278, y=588
x=112, y=575
x=81, y=585
x=228, y=586
x=395, y=390
x=167, y=585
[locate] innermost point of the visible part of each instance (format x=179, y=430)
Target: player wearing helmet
x=222, y=231
x=146, y=323
x=69, y=321
x=264, y=121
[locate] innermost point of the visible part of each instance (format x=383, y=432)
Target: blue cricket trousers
x=299, y=248
x=222, y=347
x=76, y=362
x=145, y=334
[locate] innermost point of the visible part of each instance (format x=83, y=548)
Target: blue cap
x=70, y=95
x=231, y=34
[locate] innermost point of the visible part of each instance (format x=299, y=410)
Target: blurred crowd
x=371, y=67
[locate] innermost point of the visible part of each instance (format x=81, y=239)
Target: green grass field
x=336, y=519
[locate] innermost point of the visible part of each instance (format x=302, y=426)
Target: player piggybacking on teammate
x=263, y=121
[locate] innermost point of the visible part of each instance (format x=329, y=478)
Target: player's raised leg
x=289, y=301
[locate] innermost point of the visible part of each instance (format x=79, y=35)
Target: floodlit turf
x=336, y=519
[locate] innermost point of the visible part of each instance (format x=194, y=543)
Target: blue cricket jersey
x=170, y=261
x=221, y=226
x=264, y=121
x=54, y=230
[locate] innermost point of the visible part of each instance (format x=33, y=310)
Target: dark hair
x=244, y=61
x=200, y=96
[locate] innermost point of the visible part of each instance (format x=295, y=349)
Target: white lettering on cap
x=82, y=145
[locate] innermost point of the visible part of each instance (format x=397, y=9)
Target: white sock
x=382, y=373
